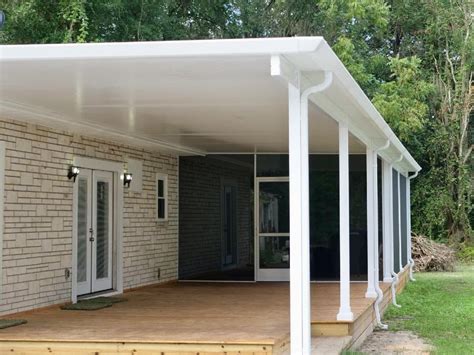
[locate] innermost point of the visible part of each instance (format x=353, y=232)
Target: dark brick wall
x=200, y=199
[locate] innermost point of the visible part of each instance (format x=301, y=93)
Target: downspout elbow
x=385, y=146
x=398, y=160
x=414, y=175
x=328, y=78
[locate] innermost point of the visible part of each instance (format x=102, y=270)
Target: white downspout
x=410, y=258
x=313, y=90
x=395, y=279
x=378, y=290
x=305, y=300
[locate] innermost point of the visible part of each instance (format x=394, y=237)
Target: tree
x=403, y=100
x=450, y=46
x=414, y=58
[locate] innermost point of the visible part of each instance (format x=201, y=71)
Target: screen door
x=273, y=229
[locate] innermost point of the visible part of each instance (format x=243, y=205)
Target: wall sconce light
x=127, y=179
x=73, y=172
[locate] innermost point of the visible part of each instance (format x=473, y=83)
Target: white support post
x=375, y=196
x=305, y=239
x=300, y=287
x=399, y=224
x=408, y=227
x=300, y=311
x=411, y=263
x=371, y=233
x=345, y=313
x=387, y=218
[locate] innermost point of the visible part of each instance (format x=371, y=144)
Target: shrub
x=466, y=254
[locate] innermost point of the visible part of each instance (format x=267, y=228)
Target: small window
x=161, y=197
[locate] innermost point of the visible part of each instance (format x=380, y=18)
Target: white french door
x=273, y=229
x=94, y=231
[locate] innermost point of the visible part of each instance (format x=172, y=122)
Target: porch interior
x=187, y=316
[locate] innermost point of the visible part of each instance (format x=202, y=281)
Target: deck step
x=332, y=345
x=328, y=329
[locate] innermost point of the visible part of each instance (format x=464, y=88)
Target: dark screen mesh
x=201, y=241
x=396, y=226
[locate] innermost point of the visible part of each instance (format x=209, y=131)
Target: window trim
x=163, y=177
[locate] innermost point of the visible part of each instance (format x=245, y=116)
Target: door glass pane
x=82, y=214
x=102, y=234
x=228, y=222
x=274, y=252
x=161, y=208
x=230, y=225
x=161, y=188
x=274, y=207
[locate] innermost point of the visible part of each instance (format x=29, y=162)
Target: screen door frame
x=270, y=274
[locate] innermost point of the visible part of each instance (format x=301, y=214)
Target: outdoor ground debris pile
x=431, y=256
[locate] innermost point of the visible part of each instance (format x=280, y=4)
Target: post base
x=345, y=315
x=371, y=294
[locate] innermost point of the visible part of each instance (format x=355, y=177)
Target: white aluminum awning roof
x=190, y=97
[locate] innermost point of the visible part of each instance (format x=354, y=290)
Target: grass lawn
x=439, y=307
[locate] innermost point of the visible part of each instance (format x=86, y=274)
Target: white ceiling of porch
x=207, y=104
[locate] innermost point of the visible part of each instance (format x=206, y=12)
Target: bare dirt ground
x=388, y=343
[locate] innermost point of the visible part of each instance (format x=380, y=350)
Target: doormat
x=108, y=299
x=7, y=323
x=93, y=304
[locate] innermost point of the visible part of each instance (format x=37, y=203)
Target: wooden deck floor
x=187, y=313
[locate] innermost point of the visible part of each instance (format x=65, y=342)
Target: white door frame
x=267, y=274
x=84, y=286
x=106, y=282
x=117, y=169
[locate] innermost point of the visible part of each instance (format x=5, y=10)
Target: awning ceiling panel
x=171, y=96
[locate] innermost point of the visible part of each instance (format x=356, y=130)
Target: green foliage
x=74, y=13
x=439, y=307
x=347, y=53
x=414, y=58
x=466, y=254
x=32, y=21
x=402, y=101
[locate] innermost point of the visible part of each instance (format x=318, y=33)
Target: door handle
x=91, y=238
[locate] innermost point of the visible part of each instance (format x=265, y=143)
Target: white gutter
x=376, y=232
x=410, y=258
x=395, y=279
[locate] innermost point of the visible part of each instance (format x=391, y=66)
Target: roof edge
x=185, y=48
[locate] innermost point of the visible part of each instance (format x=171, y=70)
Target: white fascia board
x=160, y=49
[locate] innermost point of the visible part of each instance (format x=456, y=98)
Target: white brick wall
x=37, y=240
